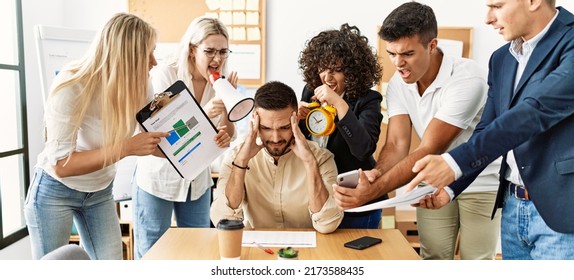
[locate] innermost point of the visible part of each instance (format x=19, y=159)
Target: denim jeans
x=152, y=216
x=525, y=236
x=51, y=207
x=371, y=219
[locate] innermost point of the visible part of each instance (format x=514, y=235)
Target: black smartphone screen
x=363, y=242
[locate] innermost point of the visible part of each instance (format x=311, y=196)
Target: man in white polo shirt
x=441, y=97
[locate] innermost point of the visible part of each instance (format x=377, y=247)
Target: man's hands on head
x=299, y=144
x=250, y=147
x=234, y=189
x=317, y=191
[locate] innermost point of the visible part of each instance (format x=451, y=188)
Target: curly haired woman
x=339, y=68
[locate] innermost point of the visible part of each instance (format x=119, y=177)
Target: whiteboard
x=57, y=46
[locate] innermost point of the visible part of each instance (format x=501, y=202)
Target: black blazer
x=355, y=139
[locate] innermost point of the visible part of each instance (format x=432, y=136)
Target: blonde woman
x=90, y=125
x=160, y=191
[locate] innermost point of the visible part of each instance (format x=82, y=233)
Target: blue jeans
x=152, y=216
x=525, y=236
x=51, y=207
x=371, y=219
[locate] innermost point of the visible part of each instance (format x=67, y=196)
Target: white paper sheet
x=252, y=18
x=280, y=239
x=238, y=4
x=239, y=18
x=239, y=33
x=245, y=60
x=252, y=5
x=411, y=197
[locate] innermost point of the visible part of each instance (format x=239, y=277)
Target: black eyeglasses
x=223, y=53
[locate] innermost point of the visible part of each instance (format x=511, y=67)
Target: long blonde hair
x=197, y=31
x=114, y=73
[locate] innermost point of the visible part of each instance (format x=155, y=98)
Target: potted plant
x=288, y=254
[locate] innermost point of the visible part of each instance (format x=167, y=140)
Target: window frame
x=8, y=240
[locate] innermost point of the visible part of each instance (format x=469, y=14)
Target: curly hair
x=343, y=50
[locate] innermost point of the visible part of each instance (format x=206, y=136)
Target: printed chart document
x=190, y=147
x=411, y=197
x=301, y=239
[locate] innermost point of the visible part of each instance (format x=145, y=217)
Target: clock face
x=317, y=122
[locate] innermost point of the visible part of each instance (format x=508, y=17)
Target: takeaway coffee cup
x=230, y=235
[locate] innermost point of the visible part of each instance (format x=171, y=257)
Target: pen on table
x=266, y=250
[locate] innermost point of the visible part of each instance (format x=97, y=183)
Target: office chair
x=67, y=252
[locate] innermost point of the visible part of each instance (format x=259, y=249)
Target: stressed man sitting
x=276, y=178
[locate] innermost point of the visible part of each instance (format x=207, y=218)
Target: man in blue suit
x=528, y=119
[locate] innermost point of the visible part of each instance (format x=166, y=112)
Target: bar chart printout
x=190, y=146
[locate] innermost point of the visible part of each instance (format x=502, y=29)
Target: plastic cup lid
x=230, y=224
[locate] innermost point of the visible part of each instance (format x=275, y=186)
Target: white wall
x=290, y=23
x=284, y=45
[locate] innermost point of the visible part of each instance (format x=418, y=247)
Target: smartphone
x=348, y=179
x=363, y=242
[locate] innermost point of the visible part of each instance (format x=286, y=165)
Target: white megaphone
x=238, y=106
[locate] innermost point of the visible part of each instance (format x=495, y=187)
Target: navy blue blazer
x=355, y=139
x=536, y=121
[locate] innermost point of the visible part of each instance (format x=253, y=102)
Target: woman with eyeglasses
x=160, y=190
x=339, y=68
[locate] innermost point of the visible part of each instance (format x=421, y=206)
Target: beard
x=278, y=151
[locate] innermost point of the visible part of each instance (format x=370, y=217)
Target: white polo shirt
x=457, y=97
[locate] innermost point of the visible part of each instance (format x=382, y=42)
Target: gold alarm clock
x=321, y=119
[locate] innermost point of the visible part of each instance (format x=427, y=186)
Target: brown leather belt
x=519, y=192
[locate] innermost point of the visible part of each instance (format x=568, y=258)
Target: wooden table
x=202, y=244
